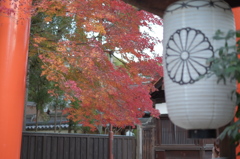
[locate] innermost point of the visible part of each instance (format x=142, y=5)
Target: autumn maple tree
x=79, y=46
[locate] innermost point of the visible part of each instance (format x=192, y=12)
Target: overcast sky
x=156, y=32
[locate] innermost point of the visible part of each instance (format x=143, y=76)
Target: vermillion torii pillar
x=14, y=39
x=236, y=12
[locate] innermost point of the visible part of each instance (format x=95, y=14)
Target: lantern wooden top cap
x=158, y=6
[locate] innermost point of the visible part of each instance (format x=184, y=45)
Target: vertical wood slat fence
x=75, y=146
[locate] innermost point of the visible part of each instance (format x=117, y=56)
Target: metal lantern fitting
x=189, y=27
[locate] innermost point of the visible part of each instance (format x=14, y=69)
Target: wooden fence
x=75, y=146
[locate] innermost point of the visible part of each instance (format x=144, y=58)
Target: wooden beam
x=158, y=6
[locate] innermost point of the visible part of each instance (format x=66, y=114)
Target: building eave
x=159, y=6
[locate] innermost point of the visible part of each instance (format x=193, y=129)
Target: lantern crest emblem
x=187, y=51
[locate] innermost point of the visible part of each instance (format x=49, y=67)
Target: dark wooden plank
x=158, y=132
x=122, y=147
x=31, y=147
x=44, y=147
x=72, y=147
x=146, y=144
x=129, y=149
x=54, y=143
x=48, y=147
x=125, y=149
x=105, y=155
x=160, y=155
x=78, y=148
x=101, y=148
x=119, y=148
x=134, y=146
x=60, y=147
x=95, y=148
x=183, y=154
x=90, y=148
x=114, y=148
x=84, y=147
x=66, y=149
x=179, y=147
x=24, y=150
x=39, y=147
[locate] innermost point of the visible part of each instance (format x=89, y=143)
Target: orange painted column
x=14, y=39
x=236, y=12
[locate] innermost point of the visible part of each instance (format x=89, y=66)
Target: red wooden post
x=110, y=145
x=236, y=12
x=14, y=39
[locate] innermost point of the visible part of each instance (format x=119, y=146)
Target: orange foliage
x=81, y=67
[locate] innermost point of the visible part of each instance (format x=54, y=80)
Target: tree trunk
x=70, y=123
x=60, y=123
x=55, y=119
x=99, y=128
x=36, y=123
x=75, y=127
x=110, y=144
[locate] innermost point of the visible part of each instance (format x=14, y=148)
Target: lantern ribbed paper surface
x=189, y=27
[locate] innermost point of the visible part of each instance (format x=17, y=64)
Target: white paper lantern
x=189, y=27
